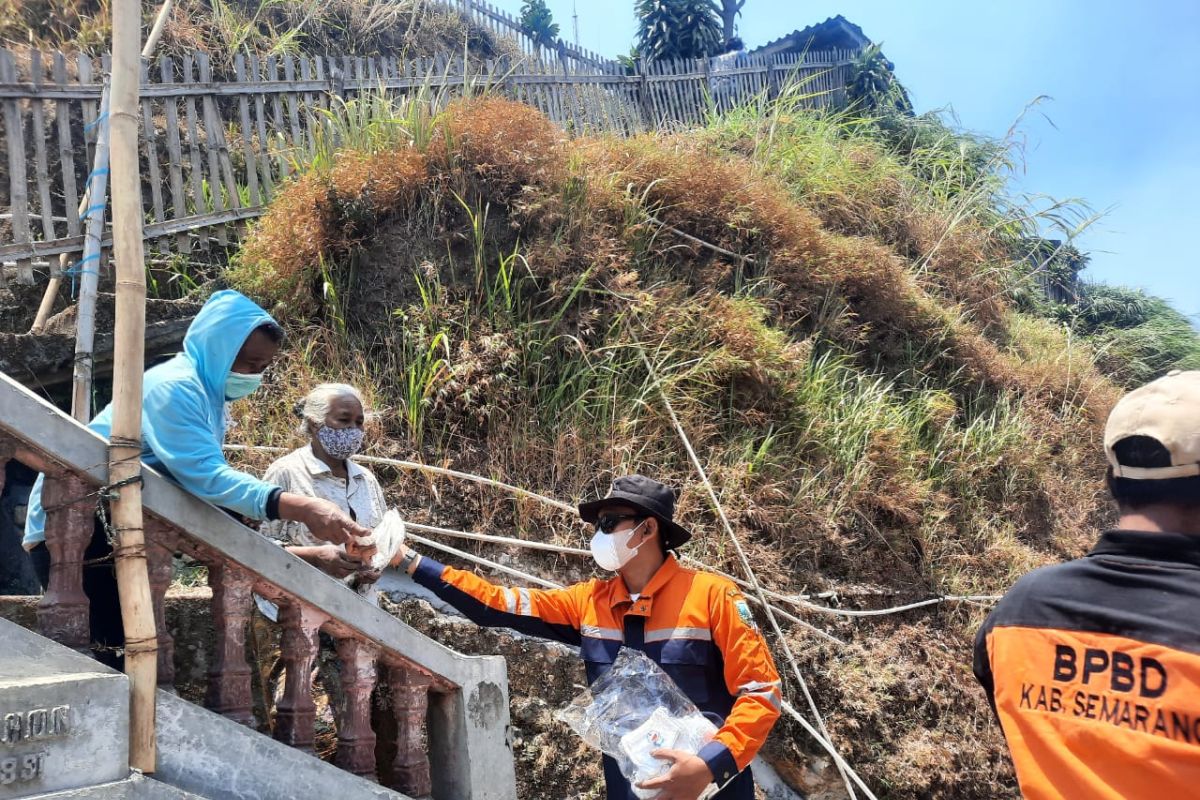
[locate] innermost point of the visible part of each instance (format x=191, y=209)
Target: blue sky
x=1121, y=129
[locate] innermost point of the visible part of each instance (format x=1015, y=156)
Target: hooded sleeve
x=176, y=427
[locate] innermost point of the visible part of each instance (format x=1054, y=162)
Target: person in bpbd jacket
x=695, y=625
x=226, y=348
x=1093, y=666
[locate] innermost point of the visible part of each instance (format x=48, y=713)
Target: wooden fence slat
x=150, y=138
x=292, y=101
x=347, y=74
x=572, y=98
x=14, y=128
x=166, y=71
x=211, y=147
x=322, y=96
x=556, y=97
x=217, y=139
x=41, y=160
x=83, y=67
x=66, y=153
x=667, y=86
x=662, y=114
x=271, y=73
x=307, y=121
x=248, y=155
x=264, y=143
x=200, y=204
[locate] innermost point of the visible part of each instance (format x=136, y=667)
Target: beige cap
x=1167, y=410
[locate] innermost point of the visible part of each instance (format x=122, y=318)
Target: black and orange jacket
x=695, y=625
x=1093, y=669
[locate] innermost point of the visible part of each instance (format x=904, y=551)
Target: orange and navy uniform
x=1093, y=669
x=695, y=625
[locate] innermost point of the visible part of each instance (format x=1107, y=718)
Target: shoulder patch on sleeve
x=743, y=610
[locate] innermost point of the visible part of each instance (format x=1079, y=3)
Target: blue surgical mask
x=239, y=385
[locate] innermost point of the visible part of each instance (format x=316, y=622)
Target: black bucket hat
x=644, y=494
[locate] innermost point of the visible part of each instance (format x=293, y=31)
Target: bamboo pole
x=47, y=304
x=125, y=448
x=89, y=270
x=155, y=34
x=85, y=317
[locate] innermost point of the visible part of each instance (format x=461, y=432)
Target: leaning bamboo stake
x=47, y=305
x=125, y=445
x=155, y=34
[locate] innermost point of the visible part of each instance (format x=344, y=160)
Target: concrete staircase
x=443, y=719
x=64, y=733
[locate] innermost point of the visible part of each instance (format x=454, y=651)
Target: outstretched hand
x=687, y=778
x=323, y=519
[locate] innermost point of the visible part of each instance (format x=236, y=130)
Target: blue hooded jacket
x=183, y=414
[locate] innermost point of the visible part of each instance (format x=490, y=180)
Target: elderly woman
x=332, y=418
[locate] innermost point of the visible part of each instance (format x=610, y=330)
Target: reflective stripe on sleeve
x=602, y=633
x=703, y=634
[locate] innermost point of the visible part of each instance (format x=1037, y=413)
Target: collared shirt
x=301, y=472
x=1093, y=669
x=695, y=625
x=360, y=497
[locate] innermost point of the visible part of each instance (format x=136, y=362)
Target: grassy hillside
x=826, y=301
x=225, y=28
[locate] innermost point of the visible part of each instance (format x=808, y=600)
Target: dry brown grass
x=386, y=183
x=501, y=146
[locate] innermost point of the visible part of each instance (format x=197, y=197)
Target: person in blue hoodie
x=184, y=417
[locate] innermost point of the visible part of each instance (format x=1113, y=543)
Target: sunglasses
x=607, y=523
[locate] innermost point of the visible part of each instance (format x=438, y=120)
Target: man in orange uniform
x=696, y=626
x=1093, y=666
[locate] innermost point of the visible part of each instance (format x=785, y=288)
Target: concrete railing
x=451, y=710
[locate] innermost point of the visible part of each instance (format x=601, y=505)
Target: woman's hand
x=367, y=576
x=328, y=558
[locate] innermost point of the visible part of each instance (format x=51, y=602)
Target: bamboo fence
x=214, y=151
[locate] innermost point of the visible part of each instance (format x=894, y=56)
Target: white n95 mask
x=612, y=551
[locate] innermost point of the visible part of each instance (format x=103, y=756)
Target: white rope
x=799, y=600
x=843, y=767
x=466, y=476
x=487, y=537
x=445, y=548
x=413, y=465
x=823, y=737
x=575, y=551
x=882, y=612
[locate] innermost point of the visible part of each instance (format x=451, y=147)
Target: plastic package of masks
x=631, y=711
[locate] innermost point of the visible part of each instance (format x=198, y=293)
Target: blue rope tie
x=88, y=127
x=93, y=209
x=76, y=270
x=94, y=173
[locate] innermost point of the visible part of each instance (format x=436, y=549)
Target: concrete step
x=63, y=717
x=64, y=734
x=135, y=787
x=207, y=754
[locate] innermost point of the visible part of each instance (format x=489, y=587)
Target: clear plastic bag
x=634, y=709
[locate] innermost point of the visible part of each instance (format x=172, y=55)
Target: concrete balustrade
x=462, y=754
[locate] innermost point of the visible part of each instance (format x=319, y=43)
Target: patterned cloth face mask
x=340, y=443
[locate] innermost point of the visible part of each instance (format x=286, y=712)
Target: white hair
x=316, y=404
